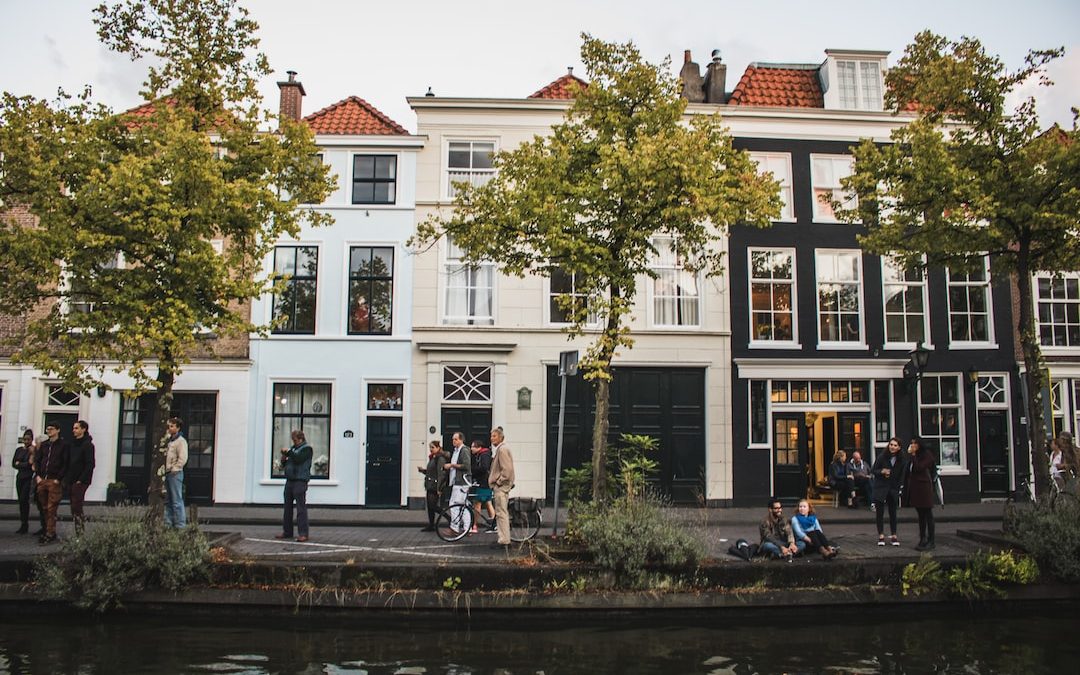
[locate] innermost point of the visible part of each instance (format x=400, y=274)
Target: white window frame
x=867, y=88
x=754, y=341
x=961, y=435
x=320, y=265
x=990, y=341
x=346, y=275
x=779, y=164
x=824, y=176
x=69, y=306
x=679, y=270
x=268, y=467
x=549, y=298
x=1065, y=276
x=886, y=263
x=473, y=176
x=449, y=266
x=818, y=281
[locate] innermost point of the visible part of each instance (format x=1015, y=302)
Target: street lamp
x=920, y=357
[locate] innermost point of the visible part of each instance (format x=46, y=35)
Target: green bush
x=982, y=576
x=922, y=576
x=125, y=553
x=632, y=538
x=1049, y=531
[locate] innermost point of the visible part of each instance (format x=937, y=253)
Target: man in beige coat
x=501, y=480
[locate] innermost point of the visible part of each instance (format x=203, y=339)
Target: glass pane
x=757, y=411
x=317, y=431
x=481, y=155
x=284, y=260
x=317, y=399
x=363, y=193
x=307, y=261
x=359, y=307
x=287, y=399
x=385, y=396
x=363, y=167
x=386, y=167
x=800, y=391
x=459, y=156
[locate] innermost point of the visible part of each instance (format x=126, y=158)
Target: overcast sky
x=384, y=51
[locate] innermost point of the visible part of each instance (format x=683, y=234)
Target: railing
x=474, y=177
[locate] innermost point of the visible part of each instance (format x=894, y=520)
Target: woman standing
x=919, y=491
x=432, y=477
x=24, y=478
x=888, y=472
x=805, y=526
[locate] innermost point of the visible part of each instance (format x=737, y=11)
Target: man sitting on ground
x=777, y=539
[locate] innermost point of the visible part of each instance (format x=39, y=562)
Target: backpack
x=743, y=549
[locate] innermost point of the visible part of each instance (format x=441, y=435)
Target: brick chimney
x=693, y=89
x=292, y=96
x=716, y=80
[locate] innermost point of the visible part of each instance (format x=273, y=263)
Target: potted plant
x=116, y=494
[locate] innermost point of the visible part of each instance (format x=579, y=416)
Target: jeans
x=78, y=496
x=773, y=551
x=295, y=491
x=890, y=501
x=49, y=493
x=23, y=487
x=175, y=515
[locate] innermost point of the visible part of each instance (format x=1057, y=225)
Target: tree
x=590, y=201
x=148, y=228
x=969, y=178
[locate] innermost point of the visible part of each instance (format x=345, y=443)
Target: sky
x=385, y=51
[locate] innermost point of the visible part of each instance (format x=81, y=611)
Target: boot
x=929, y=545
x=921, y=546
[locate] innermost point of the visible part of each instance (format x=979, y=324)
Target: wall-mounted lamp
x=102, y=390
x=973, y=374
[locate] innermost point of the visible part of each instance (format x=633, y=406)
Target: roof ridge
x=367, y=107
x=785, y=66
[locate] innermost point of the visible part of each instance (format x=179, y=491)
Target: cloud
x=1054, y=103
x=56, y=58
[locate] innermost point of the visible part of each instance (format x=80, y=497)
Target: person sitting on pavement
x=839, y=480
x=859, y=471
x=777, y=539
x=806, y=527
x=481, y=465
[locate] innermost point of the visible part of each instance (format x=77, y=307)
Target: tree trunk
x=162, y=411
x=600, y=432
x=1033, y=376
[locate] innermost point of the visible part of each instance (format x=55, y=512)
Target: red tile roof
x=790, y=86
x=562, y=88
x=354, y=117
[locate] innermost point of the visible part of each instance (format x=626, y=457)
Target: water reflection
x=872, y=642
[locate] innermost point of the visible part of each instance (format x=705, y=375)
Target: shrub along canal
x=915, y=639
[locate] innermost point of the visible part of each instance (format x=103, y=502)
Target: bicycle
x=455, y=522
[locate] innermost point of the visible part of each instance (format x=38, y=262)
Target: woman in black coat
x=24, y=479
x=919, y=490
x=888, y=474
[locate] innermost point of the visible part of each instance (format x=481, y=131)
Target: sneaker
x=282, y=536
x=493, y=527
x=894, y=541
x=881, y=541
x=301, y=539
x=474, y=530
x=873, y=507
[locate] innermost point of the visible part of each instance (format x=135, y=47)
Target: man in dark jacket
x=777, y=539
x=51, y=463
x=296, y=463
x=80, y=470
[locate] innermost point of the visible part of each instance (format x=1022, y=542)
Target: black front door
x=198, y=412
x=994, y=452
x=475, y=423
x=790, y=457
x=382, y=485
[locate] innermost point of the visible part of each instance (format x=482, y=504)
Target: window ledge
x=312, y=483
x=842, y=346
x=761, y=344
x=758, y=446
x=953, y=472
x=973, y=345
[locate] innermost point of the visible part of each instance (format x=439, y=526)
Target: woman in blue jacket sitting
x=806, y=527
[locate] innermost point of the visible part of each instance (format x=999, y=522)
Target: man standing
x=459, y=466
x=777, y=539
x=175, y=460
x=297, y=463
x=80, y=470
x=51, y=467
x=501, y=481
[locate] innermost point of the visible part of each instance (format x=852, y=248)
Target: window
x=825, y=174
x=882, y=412
x=990, y=391
x=772, y=295
x=1058, y=300
x=969, y=304
x=939, y=417
x=371, y=290
x=905, y=302
x=839, y=297
x=467, y=384
x=676, y=299
x=859, y=84
x=294, y=304
x=565, y=299
x=305, y=407
x=80, y=298
x=759, y=415
x=1059, y=404
x=779, y=164
x=822, y=391
x=470, y=289
x=469, y=162
x=385, y=396
x=374, y=179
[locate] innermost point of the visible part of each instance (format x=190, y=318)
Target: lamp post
x=920, y=357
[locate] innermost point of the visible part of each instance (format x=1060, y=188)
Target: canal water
x=833, y=641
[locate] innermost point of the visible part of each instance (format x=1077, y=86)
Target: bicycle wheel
x=524, y=525
x=454, y=522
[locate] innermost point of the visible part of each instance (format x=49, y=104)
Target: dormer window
x=853, y=79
